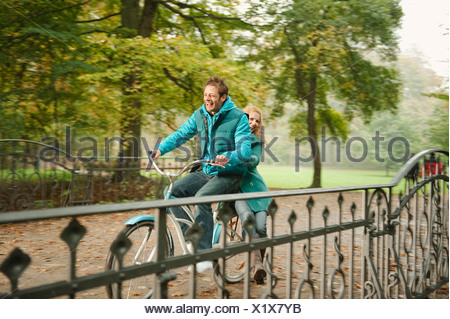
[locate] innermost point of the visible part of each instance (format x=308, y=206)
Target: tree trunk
x=310, y=95
x=130, y=130
x=311, y=101
x=148, y=14
x=130, y=14
x=131, y=119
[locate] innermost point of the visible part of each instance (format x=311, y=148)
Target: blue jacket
x=226, y=133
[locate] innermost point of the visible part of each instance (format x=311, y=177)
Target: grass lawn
x=286, y=177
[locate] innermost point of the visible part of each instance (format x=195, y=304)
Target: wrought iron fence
x=35, y=175
x=374, y=241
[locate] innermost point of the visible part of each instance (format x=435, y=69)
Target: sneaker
x=202, y=266
x=190, y=248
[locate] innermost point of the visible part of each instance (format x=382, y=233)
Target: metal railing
x=391, y=242
x=35, y=175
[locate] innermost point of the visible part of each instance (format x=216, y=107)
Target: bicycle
x=139, y=229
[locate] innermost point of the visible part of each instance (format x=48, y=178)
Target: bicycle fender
x=139, y=218
x=216, y=233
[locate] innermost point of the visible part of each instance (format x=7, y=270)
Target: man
x=225, y=136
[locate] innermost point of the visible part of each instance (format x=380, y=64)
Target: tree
x=201, y=21
x=318, y=50
x=39, y=66
x=164, y=98
x=420, y=121
x=438, y=132
x=144, y=54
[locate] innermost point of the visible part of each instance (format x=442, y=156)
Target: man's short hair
x=219, y=83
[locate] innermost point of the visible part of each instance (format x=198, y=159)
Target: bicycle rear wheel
x=234, y=264
x=143, y=249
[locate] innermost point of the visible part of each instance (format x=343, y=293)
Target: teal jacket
x=226, y=133
x=252, y=181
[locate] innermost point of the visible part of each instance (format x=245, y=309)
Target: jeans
x=200, y=184
x=244, y=211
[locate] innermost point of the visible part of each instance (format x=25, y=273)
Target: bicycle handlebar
x=185, y=168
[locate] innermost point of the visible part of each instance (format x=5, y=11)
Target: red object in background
x=433, y=168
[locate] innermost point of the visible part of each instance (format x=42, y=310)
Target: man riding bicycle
x=225, y=136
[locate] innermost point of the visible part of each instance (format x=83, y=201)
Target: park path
x=50, y=255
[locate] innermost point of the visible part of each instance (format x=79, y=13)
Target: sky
x=425, y=28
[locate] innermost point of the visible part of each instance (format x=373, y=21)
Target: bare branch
x=175, y=80
x=205, y=16
x=61, y=9
x=100, y=19
x=203, y=38
x=94, y=31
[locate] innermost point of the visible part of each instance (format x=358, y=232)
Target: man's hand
x=155, y=154
x=221, y=160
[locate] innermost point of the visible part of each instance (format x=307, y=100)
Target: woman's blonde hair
x=251, y=108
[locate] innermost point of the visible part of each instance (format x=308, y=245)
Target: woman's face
x=255, y=121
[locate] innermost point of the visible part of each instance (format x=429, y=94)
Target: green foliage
x=75, y=63
x=421, y=118
x=328, y=40
x=327, y=117
x=438, y=123
x=171, y=71
x=40, y=62
x=315, y=53
x=78, y=64
x=440, y=96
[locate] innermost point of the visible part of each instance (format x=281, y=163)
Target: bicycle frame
x=175, y=221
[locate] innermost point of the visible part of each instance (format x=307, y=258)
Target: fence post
x=160, y=284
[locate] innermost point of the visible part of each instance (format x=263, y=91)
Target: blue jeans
x=200, y=184
x=244, y=211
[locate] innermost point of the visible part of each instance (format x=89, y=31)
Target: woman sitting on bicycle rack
x=253, y=182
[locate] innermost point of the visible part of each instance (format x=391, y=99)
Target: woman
x=253, y=182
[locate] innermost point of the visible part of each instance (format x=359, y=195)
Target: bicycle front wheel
x=234, y=264
x=143, y=250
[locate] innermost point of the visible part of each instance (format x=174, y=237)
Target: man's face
x=213, y=101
